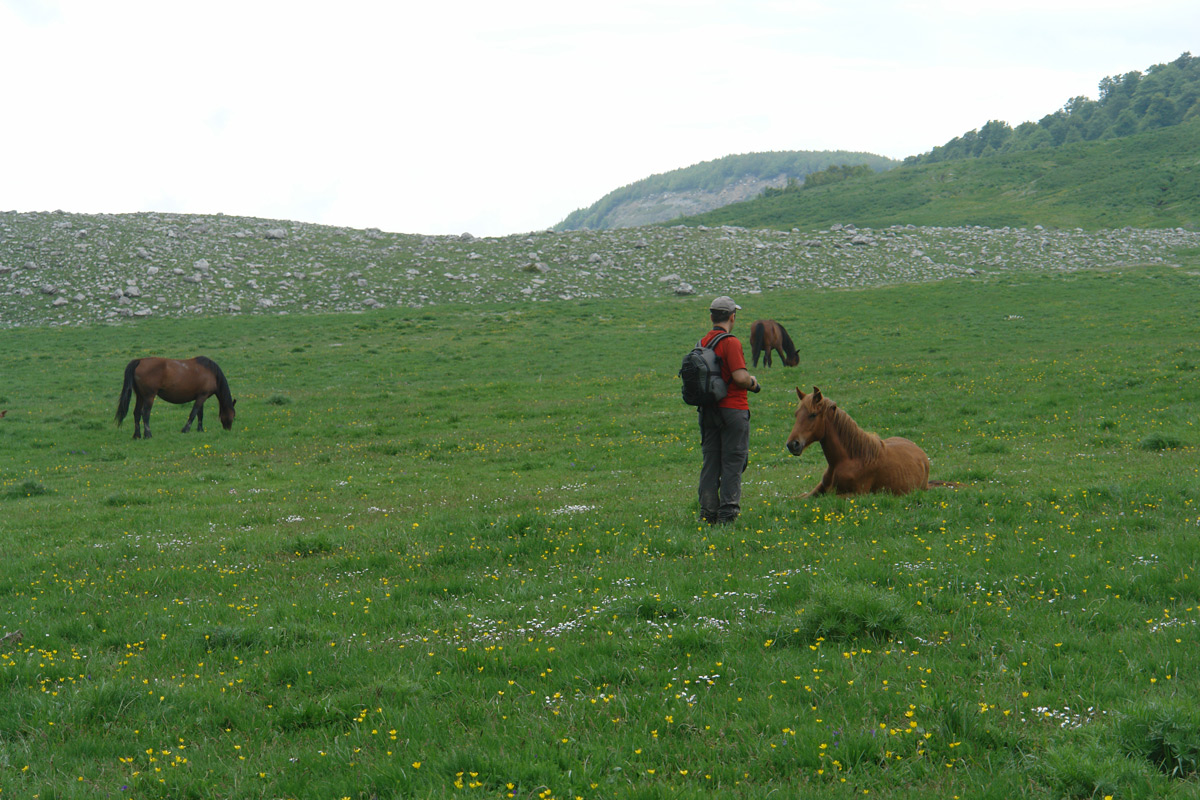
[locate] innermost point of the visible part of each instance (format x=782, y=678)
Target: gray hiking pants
x=725, y=444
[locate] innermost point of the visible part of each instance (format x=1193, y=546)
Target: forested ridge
x=1148, y=180
x=1165, y=95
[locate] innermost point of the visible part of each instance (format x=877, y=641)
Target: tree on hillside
x=834, y=174
x=1125, y=125
x=994, y=134
x=1160, y=112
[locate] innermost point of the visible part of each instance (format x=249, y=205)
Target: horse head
x=790, y=356
x=227, y=414
x=810, y=420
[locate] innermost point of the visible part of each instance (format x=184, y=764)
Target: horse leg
x=825, y=484
x=146, y=406
x=139, y=408
x=197, y=412
x=197, y=415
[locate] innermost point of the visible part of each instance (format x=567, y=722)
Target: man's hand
x=744, y=379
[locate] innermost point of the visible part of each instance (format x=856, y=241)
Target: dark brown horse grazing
x=767, y=335
x=859, y=462
x=195, y=379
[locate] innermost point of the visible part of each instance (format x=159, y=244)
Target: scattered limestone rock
x=321, y=269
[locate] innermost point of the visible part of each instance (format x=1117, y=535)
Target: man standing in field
x=725, y=427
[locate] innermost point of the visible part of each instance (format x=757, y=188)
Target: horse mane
x=224, y=396
x=859, y=444
x=788, y=347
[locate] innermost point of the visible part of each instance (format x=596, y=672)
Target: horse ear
x=799, y=393
x=816, y=395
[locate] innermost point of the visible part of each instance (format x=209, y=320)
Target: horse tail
x=224, y=395
x=126, y=391
x=788, y=347
x=758, y=335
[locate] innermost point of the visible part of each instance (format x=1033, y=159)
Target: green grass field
x=454, y=551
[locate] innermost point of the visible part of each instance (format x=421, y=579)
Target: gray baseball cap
x=724, y=303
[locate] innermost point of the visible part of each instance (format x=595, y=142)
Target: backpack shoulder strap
x=716, y=340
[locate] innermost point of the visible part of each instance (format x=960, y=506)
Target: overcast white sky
x=441, y=117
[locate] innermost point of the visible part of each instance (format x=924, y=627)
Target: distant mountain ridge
x=709, y=185
x=1126, y=159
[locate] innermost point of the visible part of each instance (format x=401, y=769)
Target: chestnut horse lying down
x=859, y=462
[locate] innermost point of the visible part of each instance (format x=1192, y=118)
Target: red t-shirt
x=732, y=358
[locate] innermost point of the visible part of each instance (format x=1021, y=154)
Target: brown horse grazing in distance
x=191, y=381
x=859, y=462
x=767, y=335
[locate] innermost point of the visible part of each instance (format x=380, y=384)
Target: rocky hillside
x=709, y=185
x=668, y=205
x=67, y=269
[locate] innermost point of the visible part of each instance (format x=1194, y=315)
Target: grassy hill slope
x=1150, y=180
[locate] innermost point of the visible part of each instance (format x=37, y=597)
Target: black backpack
x=701, y=374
